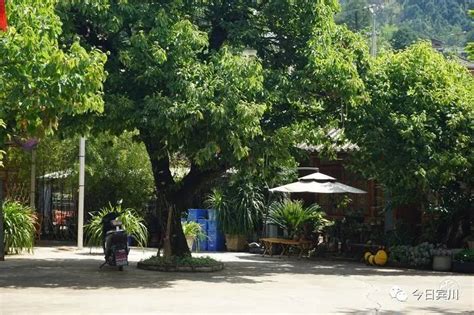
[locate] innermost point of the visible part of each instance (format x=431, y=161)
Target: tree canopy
x=180, y=73
x=40, y=80
x=416, y=133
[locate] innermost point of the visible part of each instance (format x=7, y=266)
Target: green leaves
x=239, y=206
x=19, y=227
x=132, y=223
x=416, y=133
x=292, y=216
x=193, y=230
x=39, y=80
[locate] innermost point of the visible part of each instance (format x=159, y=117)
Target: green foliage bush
x=19, y=227
x=118, y=167
x=239, y=206
x=132, y=223
x=193, y=230
x=292, y=216
x=181, y=261
x=467, y=255
x=413, y=256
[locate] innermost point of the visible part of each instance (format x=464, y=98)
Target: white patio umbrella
x=318, y=183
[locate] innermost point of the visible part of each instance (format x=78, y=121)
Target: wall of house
x=369, y=205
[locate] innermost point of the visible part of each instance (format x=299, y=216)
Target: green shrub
x=292, y=216
x=19, y=226
x=466, y=255
x=181, y=261
x=414, y=256
x=194, y=230
x=132, y=223
x=239, y=206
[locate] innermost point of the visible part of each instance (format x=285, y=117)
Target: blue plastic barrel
x=212, y=214
x=196, y=214
x=215, y=241
x=212, y=225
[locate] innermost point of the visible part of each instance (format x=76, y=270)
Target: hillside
x=399, y=22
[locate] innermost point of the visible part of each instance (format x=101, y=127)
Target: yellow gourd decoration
x=381, y=257
x=366, y=256
x=371, y=259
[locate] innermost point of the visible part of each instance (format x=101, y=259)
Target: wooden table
x=302, y=245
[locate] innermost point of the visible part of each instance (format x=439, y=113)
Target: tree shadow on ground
x=81, y=271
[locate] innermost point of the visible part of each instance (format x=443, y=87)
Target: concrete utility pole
x=80, y=210
x=33, y=180
x=374, y=9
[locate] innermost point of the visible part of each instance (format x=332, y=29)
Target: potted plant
x=193, y=233
x=296, y=219
x=19, y=226
x=442, y=258
x=464, y=261
x=239, y=209
x=132, y=222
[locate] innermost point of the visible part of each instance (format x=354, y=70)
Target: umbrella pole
x=264, y=232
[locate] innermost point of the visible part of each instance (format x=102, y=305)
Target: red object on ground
x=3, y=16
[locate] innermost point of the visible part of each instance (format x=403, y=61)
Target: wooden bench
x=301, y=245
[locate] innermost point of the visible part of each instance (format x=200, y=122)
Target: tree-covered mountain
x=400, y=22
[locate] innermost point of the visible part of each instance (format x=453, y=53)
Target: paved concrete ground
x=62, y=280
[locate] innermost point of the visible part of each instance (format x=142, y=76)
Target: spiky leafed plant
x=291, y=215
x=239, y=209
x=194, y=230
x=19, y=226
x=132, y=223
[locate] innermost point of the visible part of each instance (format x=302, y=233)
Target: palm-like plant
x=292, y=216
x=132, y=223
x=239, y=208
x=19, y=227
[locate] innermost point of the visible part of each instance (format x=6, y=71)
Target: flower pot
x=465, y=267
x=190, y=241
x=442, y=263
x=236, y=242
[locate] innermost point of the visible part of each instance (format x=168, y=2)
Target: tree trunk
x=172, y=234
x=173, y=198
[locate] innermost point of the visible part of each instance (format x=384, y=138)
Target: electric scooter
x=115, y=242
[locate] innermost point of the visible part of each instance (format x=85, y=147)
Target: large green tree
x=179, y=74
x=40, y=80
x=416, y=134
